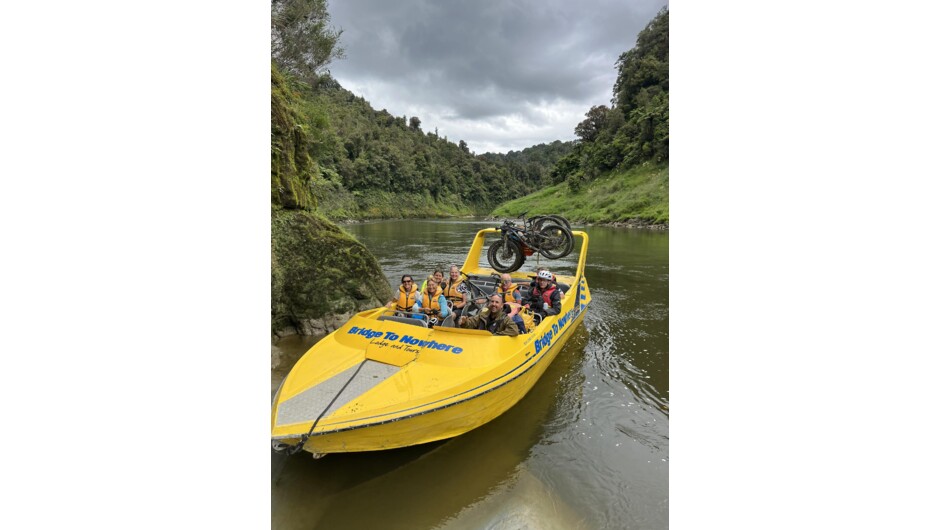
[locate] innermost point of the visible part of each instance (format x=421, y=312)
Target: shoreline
x=635, y=223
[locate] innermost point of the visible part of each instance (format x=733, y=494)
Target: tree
x=644, y=66
x=414, y=123
x=588, y=129
x=303, y=42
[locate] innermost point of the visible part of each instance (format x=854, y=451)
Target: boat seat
x=448, y=322
x=404, y=320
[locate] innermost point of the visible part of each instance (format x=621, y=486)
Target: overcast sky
x=499, y=74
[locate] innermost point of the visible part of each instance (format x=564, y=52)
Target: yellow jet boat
x=383, y=381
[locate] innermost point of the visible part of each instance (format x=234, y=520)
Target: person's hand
x=463, y=320
x=545, y=306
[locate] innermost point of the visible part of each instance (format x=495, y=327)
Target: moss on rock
x=292, y=169
x=317, y=270
x=319, y=273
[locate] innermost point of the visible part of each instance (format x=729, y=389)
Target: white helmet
x=545, y=275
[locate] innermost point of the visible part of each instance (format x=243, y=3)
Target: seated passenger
x=454, y=289
x=407, y=295
x=554, y=281
x=431, y=302
x=545, y=297
x=492, y=319
x=438, y=277
x=510, y=293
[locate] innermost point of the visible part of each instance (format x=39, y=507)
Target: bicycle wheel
x=505, y=259
x=539, y=221
x=556, y=241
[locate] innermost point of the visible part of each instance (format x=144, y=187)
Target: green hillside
x=639, y=194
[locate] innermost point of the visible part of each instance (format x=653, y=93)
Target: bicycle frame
x=529, y=240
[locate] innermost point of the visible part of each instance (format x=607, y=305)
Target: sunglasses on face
x=407, y=281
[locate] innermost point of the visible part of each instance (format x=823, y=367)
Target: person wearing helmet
x=545, y=297
x=554, y=281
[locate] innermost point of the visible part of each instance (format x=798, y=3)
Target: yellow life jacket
x=432, y=301
x=527, y=318
x=451, y=293
x=507, y=294
x=406, y=300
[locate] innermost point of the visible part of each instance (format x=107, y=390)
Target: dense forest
x=366, y=163
x=369, y=163
x=374, y=164
x=635, y=128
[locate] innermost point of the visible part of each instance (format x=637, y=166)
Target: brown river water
x=587, y=447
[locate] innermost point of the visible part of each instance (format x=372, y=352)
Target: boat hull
x=446, y=421
x=382, y=381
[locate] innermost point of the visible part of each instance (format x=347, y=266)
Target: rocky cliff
x=319, y=273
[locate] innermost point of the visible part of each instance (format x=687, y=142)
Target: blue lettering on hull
x=407, y=339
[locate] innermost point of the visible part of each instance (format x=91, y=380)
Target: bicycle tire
x=558, y=241
x=514, y=250
x=539, y=220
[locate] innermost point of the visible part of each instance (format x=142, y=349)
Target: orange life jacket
x=508, y=295
x=406, y=300
x=451, y=293
x=432, y=301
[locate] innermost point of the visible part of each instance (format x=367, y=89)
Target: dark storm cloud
x=481, y=70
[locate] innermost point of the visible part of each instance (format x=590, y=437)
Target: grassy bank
x=640, y=193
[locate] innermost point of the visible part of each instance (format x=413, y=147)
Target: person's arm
x=532, y=301
x=517, y=296
x=508, y=328
x=471, y=322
